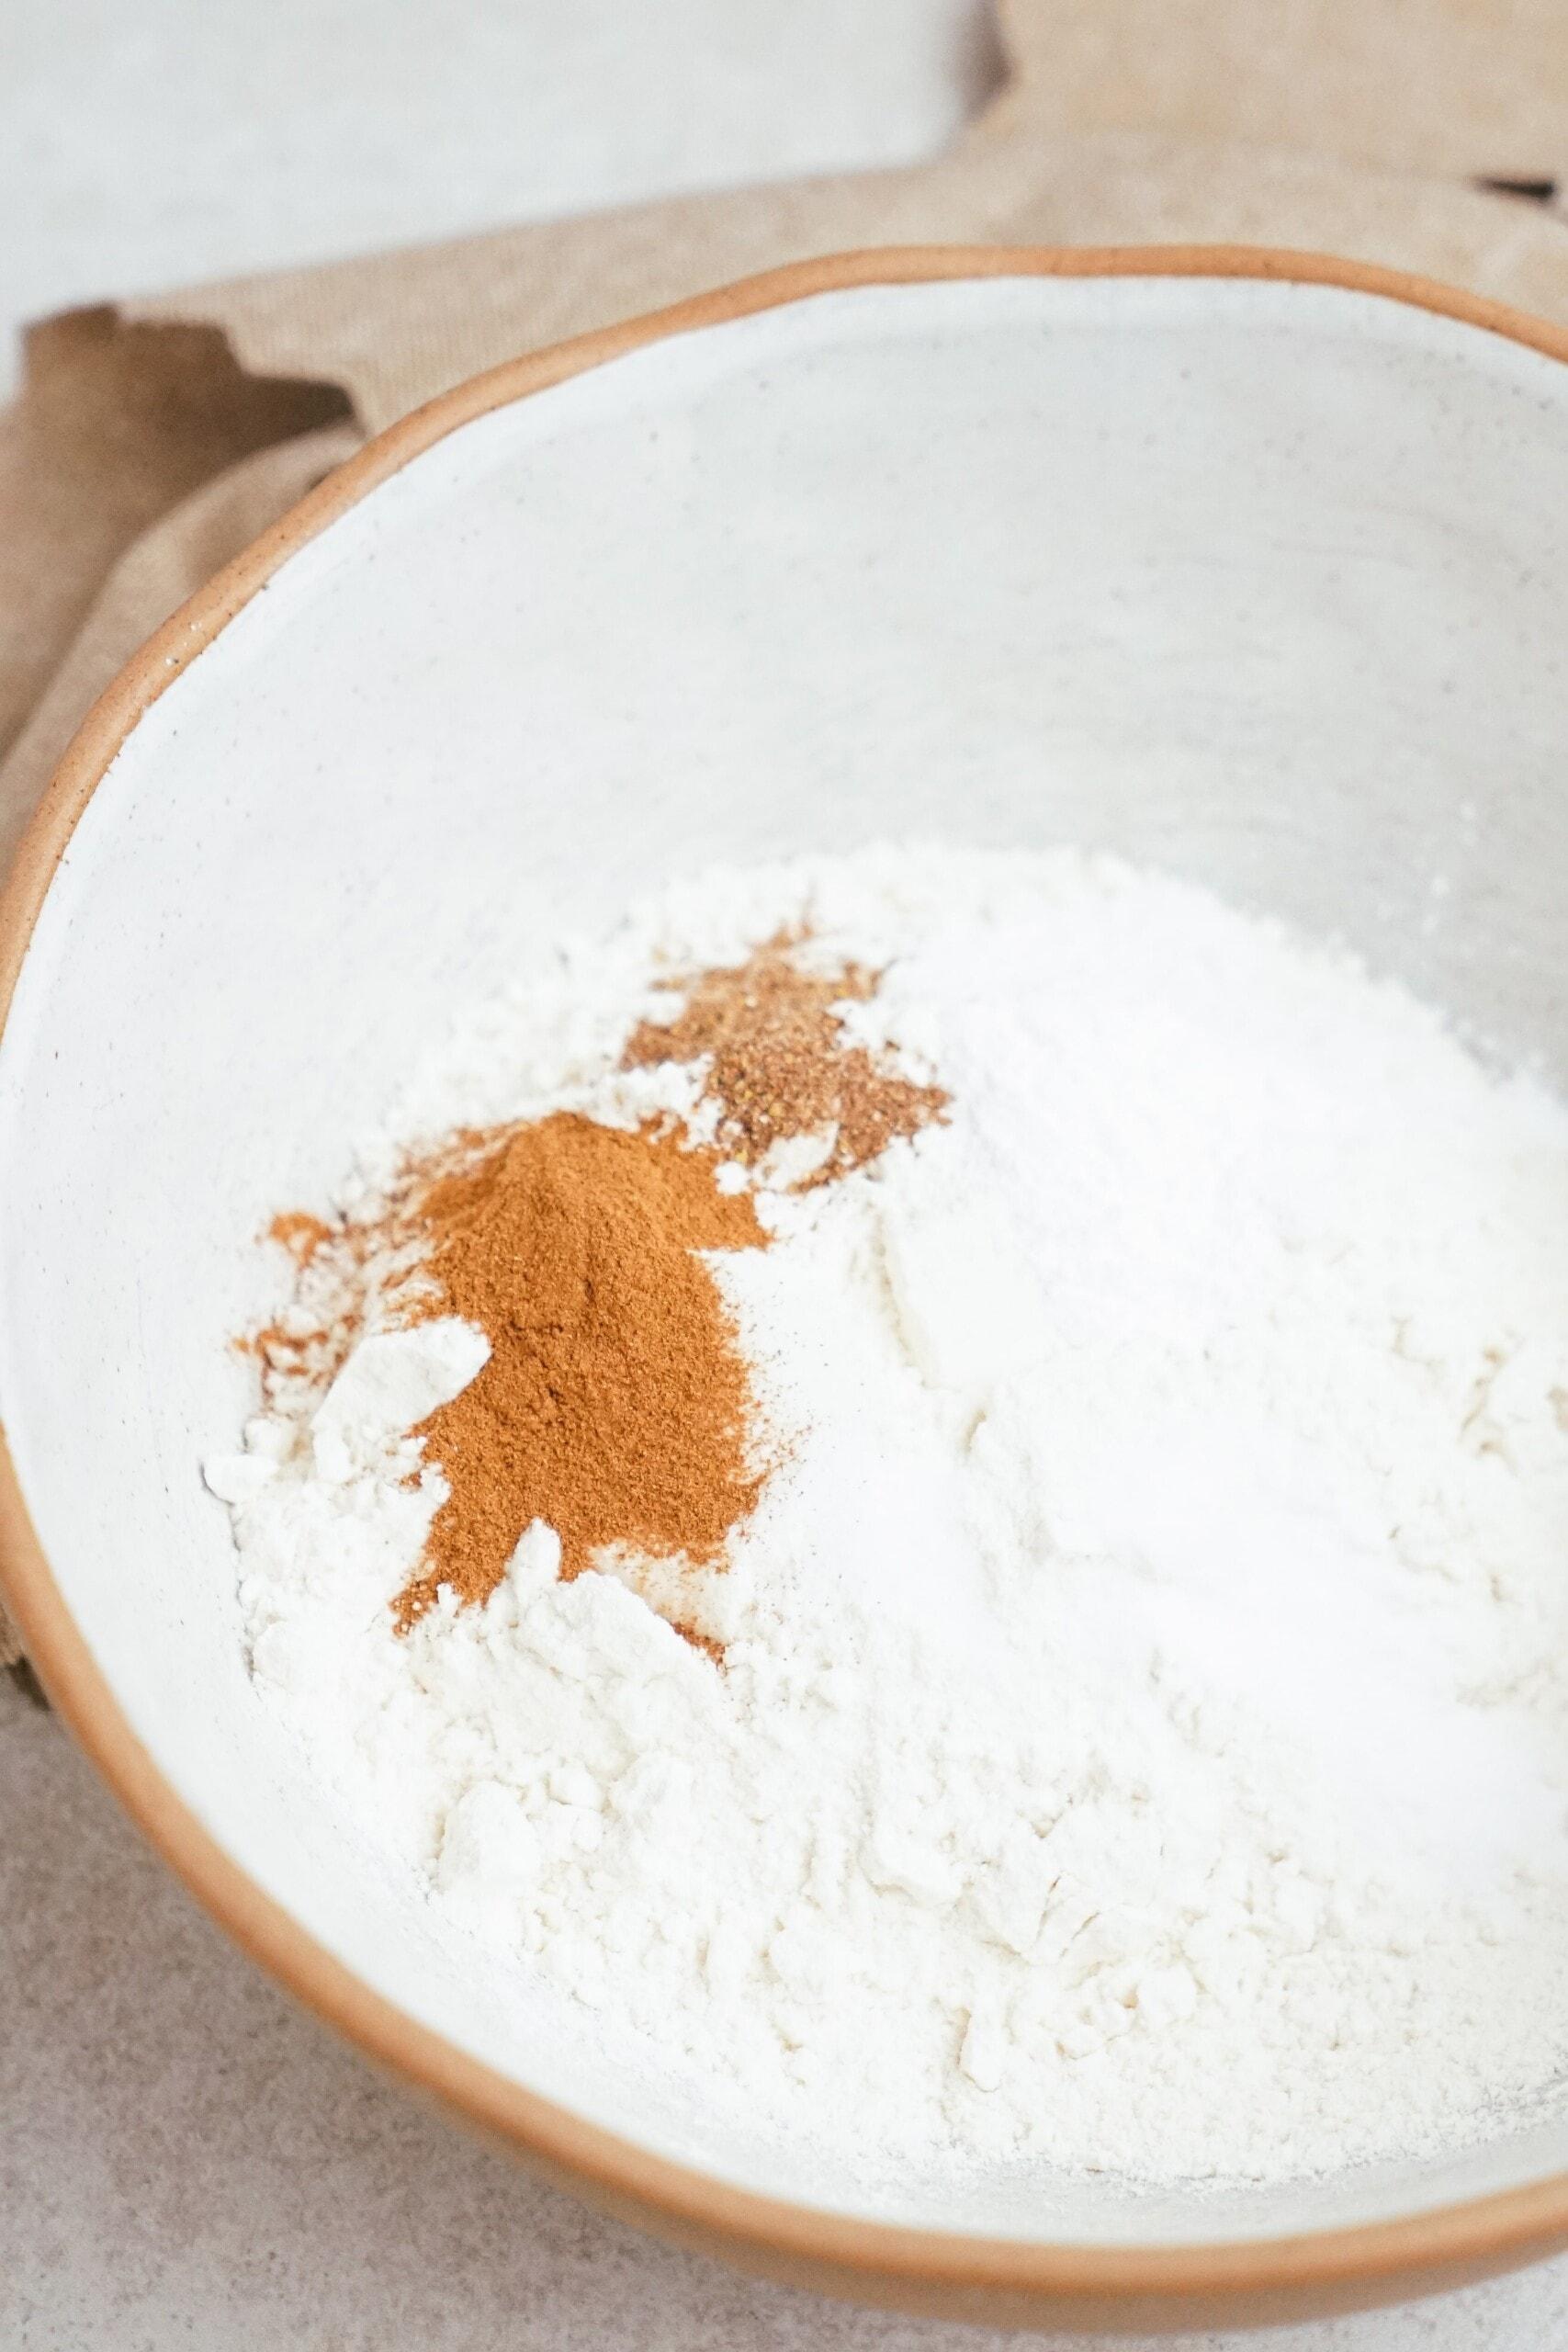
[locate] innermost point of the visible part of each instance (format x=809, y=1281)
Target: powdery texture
x=1142, y=1741
x=778, y=1067
x=615, y=1402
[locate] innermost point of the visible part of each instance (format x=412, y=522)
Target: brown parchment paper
x=153, y=439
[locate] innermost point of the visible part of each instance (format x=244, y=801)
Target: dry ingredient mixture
x=937, y=1485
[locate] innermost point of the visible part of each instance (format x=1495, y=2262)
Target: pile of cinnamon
x=616, y=1404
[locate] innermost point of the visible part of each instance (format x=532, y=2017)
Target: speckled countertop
x=185, y=2157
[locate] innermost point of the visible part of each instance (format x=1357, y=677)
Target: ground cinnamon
x=779, y=1065
x=616, y=1402
x=299, y=1233
x=293, y=1345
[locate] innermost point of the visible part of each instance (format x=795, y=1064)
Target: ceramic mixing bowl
x=1252, y=566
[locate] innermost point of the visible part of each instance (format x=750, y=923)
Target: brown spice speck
x=299, y=1233
x=778, y=1065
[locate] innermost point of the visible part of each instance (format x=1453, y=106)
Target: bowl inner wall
x=1262, y=582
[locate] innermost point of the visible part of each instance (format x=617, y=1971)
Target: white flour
x=1143, y=1737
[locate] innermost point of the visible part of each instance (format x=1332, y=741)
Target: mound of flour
x=1142, y=1736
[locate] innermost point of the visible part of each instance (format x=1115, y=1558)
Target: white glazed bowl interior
x=1263, y=582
